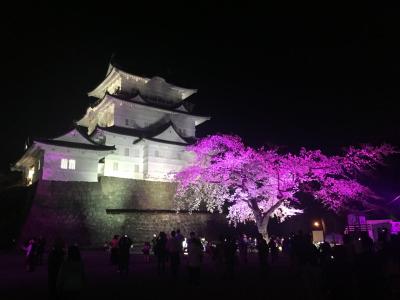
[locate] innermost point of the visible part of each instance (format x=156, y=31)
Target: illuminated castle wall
x=115, y=164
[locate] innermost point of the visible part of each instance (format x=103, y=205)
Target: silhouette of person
x=160, y=250
x=174, y=250
x=124, y=246
x=114, y=250
x=71, y=277
x=262, y=249
x=55, y=260
x=195, y=256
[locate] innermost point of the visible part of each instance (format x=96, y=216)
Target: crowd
x=66, y=275
x=359, y=266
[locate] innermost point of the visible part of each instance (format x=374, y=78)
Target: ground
x=104, y=280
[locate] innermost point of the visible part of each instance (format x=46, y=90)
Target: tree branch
x=273, y=207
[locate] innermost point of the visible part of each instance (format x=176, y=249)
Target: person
x=273, y=249
x=262, y=249
x=325, y=253
x=180, y=238
x=114, y=250
x=41, y=243
x=195, y=257
x=124, y=246
x=106, y=246
x=71, y=278
x=54, y=262
x=210, y=250
x=174, y=248
x=243, y=245
x=160, y=251
x=229, y=250
x=30, y=255
x=218, y=256
x=153, y=243
x=286, y=246
x=146, y=251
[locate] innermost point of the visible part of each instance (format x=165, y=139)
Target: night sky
x=314, y=76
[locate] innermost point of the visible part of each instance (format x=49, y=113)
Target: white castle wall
x=86, y=164
x=162, y=159
x=127, y=160
x=135, y=116
x=143, y=160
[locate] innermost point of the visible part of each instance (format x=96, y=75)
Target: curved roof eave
x=30, y=151
x=147, y=104
x=81, y=130
x=139, y=133
x=186, y=139
x=142, y=134
x=66, y=144
x=166, y=142
x=97, y=91
x=113, y=70
x=185, y=92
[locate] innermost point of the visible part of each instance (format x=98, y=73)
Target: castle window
x=38, y=165
x=126, y=151
x=115, y=166
x=136, y=168
x=71, y=164
x=136, y=152
x=64, y=163
x=126, y=122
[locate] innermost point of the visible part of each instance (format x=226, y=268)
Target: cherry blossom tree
x=255, y=184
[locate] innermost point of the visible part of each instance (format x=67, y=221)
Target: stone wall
x=92, y=212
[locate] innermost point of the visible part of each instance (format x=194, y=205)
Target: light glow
x=71, y=164
x=64, y=163
x=31, y=172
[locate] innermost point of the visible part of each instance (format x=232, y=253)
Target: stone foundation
x=91, y=213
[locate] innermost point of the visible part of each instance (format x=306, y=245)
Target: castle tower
x=111, y=173
x=137, y=128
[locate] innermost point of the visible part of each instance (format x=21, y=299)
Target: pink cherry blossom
x=255, y=184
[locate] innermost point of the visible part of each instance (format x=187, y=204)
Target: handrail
x=357, y=228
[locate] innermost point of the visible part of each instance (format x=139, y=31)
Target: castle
x=111, y=173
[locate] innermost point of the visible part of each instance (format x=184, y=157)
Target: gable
x=73, y=136
x=170, y=134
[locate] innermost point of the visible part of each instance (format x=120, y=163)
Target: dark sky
x=305, y=75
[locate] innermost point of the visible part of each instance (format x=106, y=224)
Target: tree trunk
x=262, y=226
x=262, y=218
